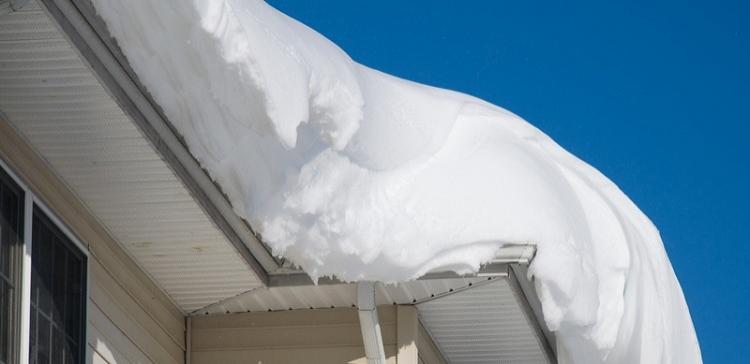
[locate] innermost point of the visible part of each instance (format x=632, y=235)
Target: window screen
x=11, y=244
x=58, y=297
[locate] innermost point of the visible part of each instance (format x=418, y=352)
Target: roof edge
x=507, y=255
x=78, y=20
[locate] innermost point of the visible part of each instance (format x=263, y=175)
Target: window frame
x=15, y=259
x=32, y=203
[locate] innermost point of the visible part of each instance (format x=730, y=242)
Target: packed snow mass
x=357, y=174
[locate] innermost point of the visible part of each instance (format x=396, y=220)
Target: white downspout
x=369, y=323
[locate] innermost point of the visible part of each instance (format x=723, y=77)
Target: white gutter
x=369, y=323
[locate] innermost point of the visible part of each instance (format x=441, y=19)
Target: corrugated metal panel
x=484, y=324
x=337, y=295
x=56, y=102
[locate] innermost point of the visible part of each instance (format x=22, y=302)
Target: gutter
x=506, y=256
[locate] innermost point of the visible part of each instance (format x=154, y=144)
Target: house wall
x=130, y=320
x=300, y=336
x=325, y=336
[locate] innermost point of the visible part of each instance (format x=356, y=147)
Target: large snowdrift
x=351, y=172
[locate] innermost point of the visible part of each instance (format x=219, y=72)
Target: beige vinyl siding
x=407, y=331
x=324, y=336
x=130, y=320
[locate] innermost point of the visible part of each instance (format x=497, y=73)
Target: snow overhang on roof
x=117, y=142
x=596, y=249
x=90, y=36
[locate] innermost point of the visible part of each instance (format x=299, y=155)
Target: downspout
x=369, y=323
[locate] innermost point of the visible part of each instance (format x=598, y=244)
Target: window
x=11, y=245
x=58, y=300
x=42, y=289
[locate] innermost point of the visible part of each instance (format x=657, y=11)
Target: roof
x=68, y=90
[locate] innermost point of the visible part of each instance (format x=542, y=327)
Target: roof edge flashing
x=498, y=267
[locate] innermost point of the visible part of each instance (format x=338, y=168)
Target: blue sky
x=654, y=94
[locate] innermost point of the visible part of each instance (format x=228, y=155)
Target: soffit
x=55, y=102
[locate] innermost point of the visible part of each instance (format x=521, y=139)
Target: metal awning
x=491, y=316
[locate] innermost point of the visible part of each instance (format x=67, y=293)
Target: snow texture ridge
x=354, y=173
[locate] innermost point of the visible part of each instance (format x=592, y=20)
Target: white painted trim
x=63, y=228
x=86, y=331
x=47, y=211
x=28, y=212
x=13, y=175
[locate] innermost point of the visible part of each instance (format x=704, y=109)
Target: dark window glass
x=11, y=245
x=58, y=302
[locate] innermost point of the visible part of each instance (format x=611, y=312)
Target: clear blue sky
x=654, y=94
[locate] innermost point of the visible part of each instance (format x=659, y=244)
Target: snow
x=351, y=172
